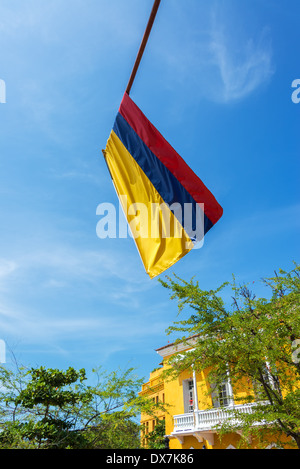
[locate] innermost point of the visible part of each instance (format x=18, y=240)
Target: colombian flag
x=154, y=185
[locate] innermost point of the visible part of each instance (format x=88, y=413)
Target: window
x=265, y=379
x=221, y=396
x=188, y=395
x=191, y=396
x=146, y=428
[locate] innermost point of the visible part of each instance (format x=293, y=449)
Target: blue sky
x=216, y=81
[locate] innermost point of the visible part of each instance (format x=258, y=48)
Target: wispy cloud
x=246, y=236
x=219, y=61
x=7, y=267
x=55, y=297
x=58, y=262
x=108, y=334
x=55, y=268
x=243, y=67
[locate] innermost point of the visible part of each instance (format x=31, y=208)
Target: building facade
x=194, y=408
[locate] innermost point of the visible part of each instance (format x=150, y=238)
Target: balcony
x=202, y=423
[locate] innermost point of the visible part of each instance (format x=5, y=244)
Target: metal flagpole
x=143, y=45
x=130, y=82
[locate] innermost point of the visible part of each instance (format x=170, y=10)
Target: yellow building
x=154, y=389
x=194, y=410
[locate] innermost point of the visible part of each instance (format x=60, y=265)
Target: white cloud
x=54, y=268
x=56, y=296
x=7, y=267
x=110, y=331
x=242, y=68
x=57, y=263
x=218, y=60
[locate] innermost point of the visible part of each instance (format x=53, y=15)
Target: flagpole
x=143, y=45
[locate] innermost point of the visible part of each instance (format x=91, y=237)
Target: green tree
x=53, y=409
x=255, y=339
x=156, y=438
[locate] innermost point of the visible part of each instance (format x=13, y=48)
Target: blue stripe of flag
x=166, y=184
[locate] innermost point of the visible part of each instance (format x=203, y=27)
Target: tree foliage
x=53, y=409
x=255, y=339
x=156, y=438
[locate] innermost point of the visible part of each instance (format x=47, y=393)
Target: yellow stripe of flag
x=158, y=250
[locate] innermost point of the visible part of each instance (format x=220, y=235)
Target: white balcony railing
x=207, y=420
